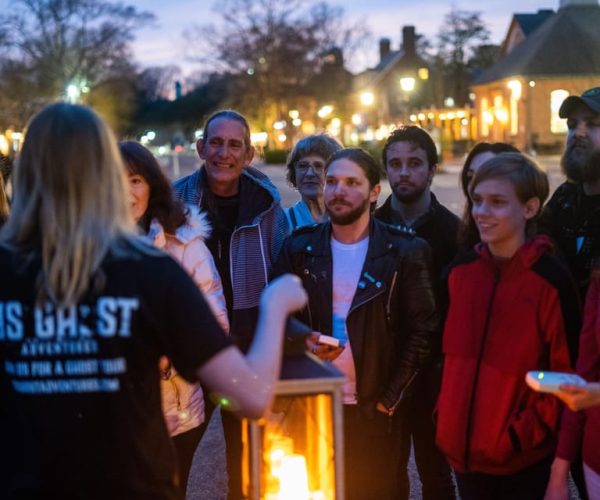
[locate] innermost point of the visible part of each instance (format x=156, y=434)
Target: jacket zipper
x=310, y=322
x=392, y=409
x=347, y=316
x=235, y=230
x=388, y=313
x=362, y=303
x=388, y=310
x=477, y=368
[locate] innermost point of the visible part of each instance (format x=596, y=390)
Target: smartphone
x=330, y=341
x=543, y=381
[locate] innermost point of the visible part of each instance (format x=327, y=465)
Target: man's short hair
x=322, y=145
x=590, y=98
x=228, y=114
x=363, y=159
x=417, y=137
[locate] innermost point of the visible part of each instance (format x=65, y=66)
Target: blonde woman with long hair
x=86, y=310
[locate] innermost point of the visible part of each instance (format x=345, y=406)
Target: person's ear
x=250, y=154
x=200, y=147
x=531, y=208
x=374, y=194
x=432, y=172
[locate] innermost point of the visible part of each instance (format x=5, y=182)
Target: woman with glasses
x=306, y=172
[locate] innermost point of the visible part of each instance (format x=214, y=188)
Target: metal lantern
x=296, y=452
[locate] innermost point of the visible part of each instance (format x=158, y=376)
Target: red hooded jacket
x=580, y=430
x=504, y=319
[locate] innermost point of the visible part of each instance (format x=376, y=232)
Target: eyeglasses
x=317, y=166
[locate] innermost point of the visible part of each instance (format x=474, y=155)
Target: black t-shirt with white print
x=80, y=413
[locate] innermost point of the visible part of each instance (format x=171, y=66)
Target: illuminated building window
x=515, y=95
x=486, y=118
x=558, y=125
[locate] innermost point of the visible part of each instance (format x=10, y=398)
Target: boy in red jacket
x=513, y=308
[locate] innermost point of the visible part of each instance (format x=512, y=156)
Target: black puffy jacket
x=392, y=319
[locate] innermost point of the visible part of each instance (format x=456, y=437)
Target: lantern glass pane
x=297, y=460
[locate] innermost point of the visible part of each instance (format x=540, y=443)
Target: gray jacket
x=256, y=241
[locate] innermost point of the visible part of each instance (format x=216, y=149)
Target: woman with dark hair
x=181, y=233
x=306, y=172
x=468, y=235
x=87, y=308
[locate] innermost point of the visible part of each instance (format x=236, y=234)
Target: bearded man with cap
x=572, y=216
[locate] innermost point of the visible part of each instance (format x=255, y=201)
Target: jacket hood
x=263, y=181
x=527, y=255
x=196, y=226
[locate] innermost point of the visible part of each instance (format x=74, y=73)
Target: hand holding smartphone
x=325, y=347
x=551, y=382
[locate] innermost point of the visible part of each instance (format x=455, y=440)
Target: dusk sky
x=164, y=43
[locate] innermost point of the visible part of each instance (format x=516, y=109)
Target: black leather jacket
x=392, y=319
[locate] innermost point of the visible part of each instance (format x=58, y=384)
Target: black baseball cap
x=591, y=98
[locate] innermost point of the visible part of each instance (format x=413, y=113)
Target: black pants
x=527, y=484
x=417, y=425
x=186, y=444
x=369, y=462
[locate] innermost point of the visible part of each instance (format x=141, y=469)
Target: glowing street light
x=325, y=111
x=73, y=93
x=407, y=84
x=367, y=98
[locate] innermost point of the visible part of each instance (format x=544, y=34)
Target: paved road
x=207, y=479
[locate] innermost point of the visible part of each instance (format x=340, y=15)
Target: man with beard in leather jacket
x=370, y=287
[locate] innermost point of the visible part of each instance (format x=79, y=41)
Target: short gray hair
x=322, y=145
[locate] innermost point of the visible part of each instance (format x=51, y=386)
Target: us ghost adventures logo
x=62, y=353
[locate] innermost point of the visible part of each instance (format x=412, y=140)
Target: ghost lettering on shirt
x=110, y=317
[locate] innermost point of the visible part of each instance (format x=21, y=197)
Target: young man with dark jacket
x=410, y=160
x=370, y=287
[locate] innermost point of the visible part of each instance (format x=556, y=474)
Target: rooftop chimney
x=408, y=40
x=384, y=48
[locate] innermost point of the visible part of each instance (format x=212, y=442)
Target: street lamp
x=407, y=83
x=74, y=90
x=367, y=98
x=72, y=93
x=325, y=111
